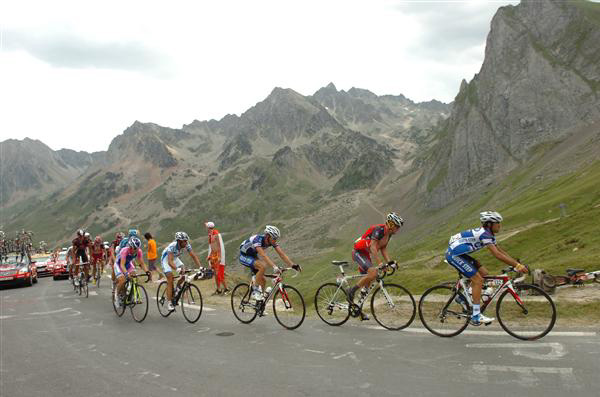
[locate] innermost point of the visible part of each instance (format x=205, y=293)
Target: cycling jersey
x=470, y=241
x=127, y=255
x=375, y=232
x=81, y=243
x=248, y=247
x=176, y=251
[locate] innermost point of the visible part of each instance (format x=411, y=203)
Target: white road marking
x=314, y=351
x=93, y=293
x=351, y=355
x=492, y=333
x=5, y=317
x=526, y=375
x=50, y=312
x=521, y=349
x=195, y=307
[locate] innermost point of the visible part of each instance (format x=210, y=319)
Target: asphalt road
x=54, y=343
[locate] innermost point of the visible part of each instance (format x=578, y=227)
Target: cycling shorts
x=80, y=254
x=363, y=259
x=128, y=268
x=97, y=257
x=165, y=264
x=465, y=264
x=248, y=260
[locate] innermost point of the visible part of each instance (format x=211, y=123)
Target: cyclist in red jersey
x=81, y=245
x=369, y=247
x=97, y=253
x=112, y=255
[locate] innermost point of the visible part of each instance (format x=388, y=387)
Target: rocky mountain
x=540, y=80
x=29, y=167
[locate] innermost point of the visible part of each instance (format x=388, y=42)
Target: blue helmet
x=133, y=232
x=134, y=243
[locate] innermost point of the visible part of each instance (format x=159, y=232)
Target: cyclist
x=97, y=254
x=472, y=240
x=170, y=262
x=253, y=255
x=81, y=245
x=369, y=247
x=125, y=267
x=112, y=254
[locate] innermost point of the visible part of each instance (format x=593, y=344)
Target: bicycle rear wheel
x=530, y=319
x=138, y=299
x=191, y=303
x=161, y=299
x=332, y=304
x=288, y=307
x=85, y=289
x=440, y=313
x=393, y=307
x=244, y=308
x=98, y=276
x=118, y=309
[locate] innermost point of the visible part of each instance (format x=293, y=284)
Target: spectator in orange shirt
x=216, y=257
x=152, y=256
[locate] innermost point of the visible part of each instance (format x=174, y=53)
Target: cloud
x=450, y=27
x=64, y=50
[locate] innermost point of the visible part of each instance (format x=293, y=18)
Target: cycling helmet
x=119, y=236
x=87, y=235
x=210, y=225
x=133, y=232
x=80, y=232
x=181, y=236
x=395, y=219
x=490, y=216
x=134, y=243
x=273, y=232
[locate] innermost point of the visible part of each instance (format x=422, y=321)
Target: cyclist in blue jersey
x=170, y=262
x=253, y=255
x=123, y=243
x=472, y=240
x=125, y=266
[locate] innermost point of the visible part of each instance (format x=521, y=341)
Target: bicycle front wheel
x=528, y=316
x=331, y=304
x=138, y=303
x=440, y=313
x=393, y=307
x=288, y=307
x=118, y=309
x=162, y=300
x=191, y=303
x=244, y=308
x=85, y=289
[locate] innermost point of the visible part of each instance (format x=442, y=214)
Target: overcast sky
x=77, y=73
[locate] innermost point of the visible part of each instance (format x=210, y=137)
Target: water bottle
x=176, y=290
x=487, y=294
x=363, y=293
x=268, y=291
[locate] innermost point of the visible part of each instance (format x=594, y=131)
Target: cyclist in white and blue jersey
x=170, y=262
x=253, y=256
x=472, y=240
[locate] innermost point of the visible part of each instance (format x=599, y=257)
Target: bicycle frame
x=504, y=281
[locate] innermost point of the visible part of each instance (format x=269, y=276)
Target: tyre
x=29, y=282
x=393, y=307
x=118, y=309
x=85, y=290
x=332, y=304
x=54, y=278
x=139, y=303
x=161, y=299
x=191, y=303
x=35, y=280
x=530, y=319
x=440, y=313
x=288, y=307
x=242, y=305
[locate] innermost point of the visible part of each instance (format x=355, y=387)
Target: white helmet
x=392, y=217
x=210, y=225
x=490, y=216
x=181, y=236
x=273, y=232
x=87, y=235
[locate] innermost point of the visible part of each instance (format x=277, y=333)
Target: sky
x=75, y=74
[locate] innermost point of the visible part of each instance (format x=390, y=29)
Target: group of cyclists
x=370, y=252
x=22, y=245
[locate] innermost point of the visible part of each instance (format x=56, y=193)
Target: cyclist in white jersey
x=472, y=240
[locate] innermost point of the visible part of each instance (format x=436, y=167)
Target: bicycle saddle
x=339, y=263
x=572, y=272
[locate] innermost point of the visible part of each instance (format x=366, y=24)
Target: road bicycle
x=98, y=274
x=288, y=304
x=187, y=294
x=392, y=305
x=80, y=282
x=135, y=298
x=576, y=277
x=524, y=311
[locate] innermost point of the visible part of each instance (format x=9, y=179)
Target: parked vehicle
x=18, y=273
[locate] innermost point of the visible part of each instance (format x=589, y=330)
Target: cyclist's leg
x=120, y=281
x=260, y=273
x=365, y=267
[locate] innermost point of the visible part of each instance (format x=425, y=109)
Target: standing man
x=152, y=255
x=216, y=257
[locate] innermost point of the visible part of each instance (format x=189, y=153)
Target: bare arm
x=195, y=258
x=374, y=252
x=501, y=255
x=283, y=256
x=263, y=256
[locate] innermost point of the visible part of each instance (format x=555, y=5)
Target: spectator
x=216, y=257
x=152, y=256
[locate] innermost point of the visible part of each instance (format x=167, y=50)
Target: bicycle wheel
x=243, y=306
x=118, y=309
x=331, y=304
x=191, y=303
x=138, y=303
x=393, y=307
x=98, y=277
x=80, y=286
x=288, y=307
x=440, y=313
x=530, y=319
x=161, y=299
x=85, y=289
